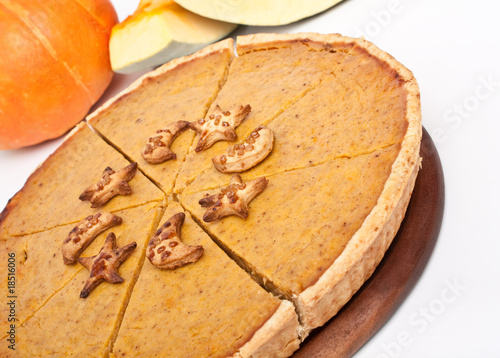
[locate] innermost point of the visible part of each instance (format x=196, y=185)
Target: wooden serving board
x=377, y=300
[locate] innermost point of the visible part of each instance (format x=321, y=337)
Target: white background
x=453, y=48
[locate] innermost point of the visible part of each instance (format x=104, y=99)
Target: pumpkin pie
x=333, y=190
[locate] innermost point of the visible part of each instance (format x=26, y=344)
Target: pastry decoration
x=167, y=251
x=110, y=185
x=84, y=233
x=219, y=125
x=104, y=265
x=244, y=156
x=233, y=199
x=157, y=149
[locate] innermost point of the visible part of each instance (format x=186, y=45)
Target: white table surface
x=453, y=48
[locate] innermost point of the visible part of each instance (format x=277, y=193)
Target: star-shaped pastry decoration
x=110, y=185
x=104, y=265
x=167, y=251
x=157, y=149
x=219, y=125
x=233, y=199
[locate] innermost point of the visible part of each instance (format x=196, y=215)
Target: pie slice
x=181, y=90
x=73, y=326
x=209, y=308
x=270, y=74
x=50, y=196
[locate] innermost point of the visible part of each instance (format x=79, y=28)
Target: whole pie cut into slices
x=336, y=170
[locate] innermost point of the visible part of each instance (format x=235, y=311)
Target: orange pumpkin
x=54, y=65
